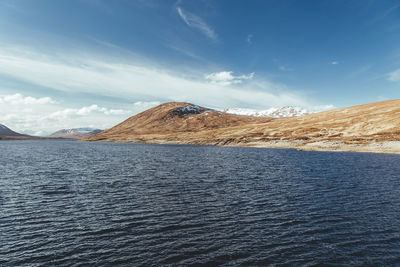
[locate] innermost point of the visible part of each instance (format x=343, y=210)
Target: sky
x=94, y=63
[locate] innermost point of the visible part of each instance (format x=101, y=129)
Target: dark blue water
x=65, y=203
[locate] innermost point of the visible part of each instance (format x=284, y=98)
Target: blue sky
x=94, y=63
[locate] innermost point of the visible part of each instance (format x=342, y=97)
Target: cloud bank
x=138, y=81
x=42, y=116
x=143, y=84
x=16, y=99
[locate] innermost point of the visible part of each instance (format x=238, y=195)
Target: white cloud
x=335, y=62
x=127, y=79
x=40, y=116
x=16, y=99
x=284, y=68
x=394, y=76
x=138, y=80
x=84, y=111
x=227, y=78
x=198, y=23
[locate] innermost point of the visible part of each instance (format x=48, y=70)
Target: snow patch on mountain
x=76, y=133
x=193, y=109
x=80, y=130
x=190, y=109
x=282, y=112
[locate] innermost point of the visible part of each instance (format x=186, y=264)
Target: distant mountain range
x=77, y=133
x=371, y=127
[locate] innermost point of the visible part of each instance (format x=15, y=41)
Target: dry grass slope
x=371, y=127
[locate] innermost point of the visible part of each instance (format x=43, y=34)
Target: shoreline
x=371, y=128
x=385, y=147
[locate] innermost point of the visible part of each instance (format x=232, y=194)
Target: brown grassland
x=371, y=127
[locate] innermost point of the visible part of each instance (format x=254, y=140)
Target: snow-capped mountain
x=283, y=112
x=76, y=133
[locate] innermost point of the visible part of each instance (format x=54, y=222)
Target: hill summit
x=170, y=120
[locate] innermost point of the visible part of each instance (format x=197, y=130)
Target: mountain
x=5, y=131
x=371, y=127
x=283, y=112
x=77, y=133
x=169, y=121
x=8, y=134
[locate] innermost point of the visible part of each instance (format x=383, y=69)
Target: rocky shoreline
x=391, y=147
x=387, y=147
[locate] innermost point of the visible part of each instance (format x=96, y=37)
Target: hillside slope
x=371, y=127
x=5, y=131
x=8, y=134
x=170, y=120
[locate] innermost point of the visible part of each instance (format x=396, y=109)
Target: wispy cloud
x=138, y=80
x=335, y=62
x=198, y=23
x=360, y=71
x=394, y=76
x=281, y=66
x=227, y=78
x=386, y=13
x=186, y=52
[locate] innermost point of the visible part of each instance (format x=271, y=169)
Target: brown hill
x=370, y=127
x=168, y=121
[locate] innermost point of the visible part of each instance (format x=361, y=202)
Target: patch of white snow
x=283, y=112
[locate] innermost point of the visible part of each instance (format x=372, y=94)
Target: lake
x=66, y=203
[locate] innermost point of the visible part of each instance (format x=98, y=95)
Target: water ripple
x=66, y=203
